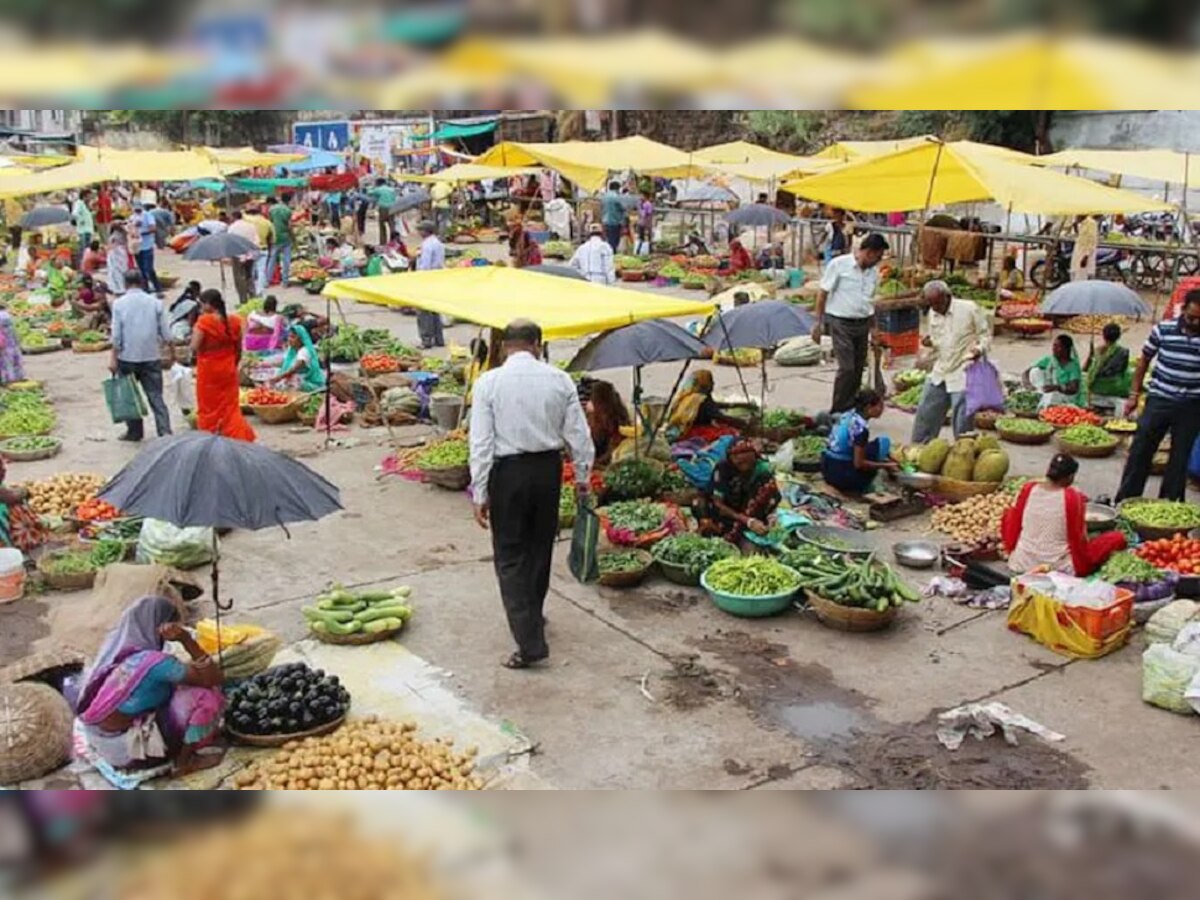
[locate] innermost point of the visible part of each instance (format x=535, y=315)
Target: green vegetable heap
x=28, y=443
x=566, y=502
x=1023, y=401
x=620, y=562
x=25, y=413
x=92, y=337
x=809, y=447
x=637, y=516
x=752, y=576
x=867, y=585
x=1013, y=425
x=632, y=479
x=693, y=553
x=446, y=455
x=1087, y=436
x=782, y=418
x=1162, y=514
x=340, y=612
x=1126, y=567
x=70, y=562
x=910, y=396
x=346, y=345
x=911, y=378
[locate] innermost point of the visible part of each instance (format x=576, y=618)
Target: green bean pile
x=751, y=576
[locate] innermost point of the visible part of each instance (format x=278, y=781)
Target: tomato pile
x=96, y=510
x=380, y=363
x=1177, y=554
x=596, y=481
x=1063, y=416
x=267, y=397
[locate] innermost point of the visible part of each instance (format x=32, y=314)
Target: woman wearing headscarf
x=217, y=346
x=744, y=494
x=12, y=364
x=696, y=415
x=301, y=362
x=141, y=706
x=1109, y=379
x=740, y=259
x=1058, y=376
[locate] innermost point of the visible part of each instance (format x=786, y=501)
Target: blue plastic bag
x=1194, y=462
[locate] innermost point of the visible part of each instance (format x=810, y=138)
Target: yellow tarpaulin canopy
x=845, y=151
x=60, y=178
x=962, y=173
x=152, y=165
x=588, y=163
x=238, y=159
x=1165, y=166
x=33, y=71
x=788, y=72
x=741, y=159
x=464, y=172
x=494, y=296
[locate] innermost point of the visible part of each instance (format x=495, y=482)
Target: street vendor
x=1047, y=526
x=91, y=302
x=265, y=330
x=743, y=497
x=1012, y=279
x=20, y=527
x=301, y=364
x=1058, y=376
x=59, y=279
x=852, y=459
x=141, y=706
x=607, y=415
x=695, y=414
x=315, y=324
x=1108, y=375
x=740, y=259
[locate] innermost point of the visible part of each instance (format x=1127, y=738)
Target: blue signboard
x=331, y=136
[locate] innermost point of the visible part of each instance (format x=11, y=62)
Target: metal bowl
x=836, y=540
x=917, y=554
x=1099, y=517
x=918, y=481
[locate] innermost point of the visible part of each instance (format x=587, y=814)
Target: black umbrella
x=411, y=200
x=558, y=271
x=1105, y=298
x=43, y=216
x=217, y=247
x=765, y=324
x=757, y=215
x=637, y=345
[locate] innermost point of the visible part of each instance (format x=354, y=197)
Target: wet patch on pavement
x=690, y=685
x=640, y=605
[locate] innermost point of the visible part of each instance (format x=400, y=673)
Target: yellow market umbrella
x=60, y=178
x=741, y=159
x=494, y=296
x=936, y=174
x=845, y=151
x=1167, y=166
x=1029, y=71
x=152, y=165
x=587, y=163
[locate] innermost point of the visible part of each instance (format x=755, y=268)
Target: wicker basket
x=46, y=665
x=278, y=740
x=849, y=618
x=35, y=731
x=1029, y=440
x=986, y=420
x=81, y=581
x=1087, y=452
x=361, y=639
x=31, y=455
x=628, y=579
x=52, y=347
x=962, y=490
x=279, y=414
x=450, y=478
x=679, y=575
x=91, y=348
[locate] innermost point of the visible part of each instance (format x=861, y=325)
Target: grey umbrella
x=757, y=215
x=217, y=247
x=42, y=216
x=706, y=193
x=765, y=324
x=1105, y=298
x=637, y=345
x=411, y=200
x=559, y=271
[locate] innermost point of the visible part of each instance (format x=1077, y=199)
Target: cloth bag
x=984, y=388
x=585, y=538
x=124, y=399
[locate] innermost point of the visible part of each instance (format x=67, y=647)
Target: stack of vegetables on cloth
x=743, y=496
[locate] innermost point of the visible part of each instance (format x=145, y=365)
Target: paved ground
x=654, y=688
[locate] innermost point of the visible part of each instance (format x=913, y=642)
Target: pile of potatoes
x=365, y=755
x=277, y=853
x=975, y=520
x=62, y=494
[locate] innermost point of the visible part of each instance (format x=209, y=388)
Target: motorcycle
x=1049, y=273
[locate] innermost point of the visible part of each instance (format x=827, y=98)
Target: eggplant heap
x=287, y=699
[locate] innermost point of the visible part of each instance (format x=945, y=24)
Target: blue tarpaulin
x=318, y=159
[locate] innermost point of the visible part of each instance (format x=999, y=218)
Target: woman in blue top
x=851, y=459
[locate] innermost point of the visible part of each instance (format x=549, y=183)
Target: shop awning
x=151, y=165
x=60, y=178
x=449, y=131
x=741, y=159
x=845, y=151
x=467, y=172
x=941, y=174
x=1166, y=166
x=238, y=159
x=588, y=163
x=494, y=296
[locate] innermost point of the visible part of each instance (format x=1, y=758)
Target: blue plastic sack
x=1194, y=462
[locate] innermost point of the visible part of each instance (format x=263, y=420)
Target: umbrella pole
x=670, y=399
x=762, y=410
x=328, y=377
x=736, y=364
x=637, y=409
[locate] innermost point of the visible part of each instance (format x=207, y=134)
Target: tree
x=207, y=126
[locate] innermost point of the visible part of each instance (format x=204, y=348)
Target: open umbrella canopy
x=704, y=192
x=1102, y=298
x=757, y=215
x=200, y=479
x=559, y=271
x=411, y=200
x=647, y=342
x=42, y=216
x=765, y=324
x=215, y=247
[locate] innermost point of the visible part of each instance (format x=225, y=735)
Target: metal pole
x=928, y=200
x=329, y=376
x=670, y=397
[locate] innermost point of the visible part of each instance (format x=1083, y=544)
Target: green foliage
x=784, y=130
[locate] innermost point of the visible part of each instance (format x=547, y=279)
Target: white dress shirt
x=432, y=255
x=595, y=260
x=849, y=287
x=955, y=337
x=526, y=406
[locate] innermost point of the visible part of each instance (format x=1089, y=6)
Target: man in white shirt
x=959, y=334
x=432, y=256
x=244, y=268
x=594, y=258
x=523, y=415
x=846, y=308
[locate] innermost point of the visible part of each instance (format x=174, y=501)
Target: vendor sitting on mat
x=851, y=459
x=91, y=302
x=743, y=496
x=1058, y=376
x=695, y=414
x=1047, y=526
x=301, y=364
x=140, y=706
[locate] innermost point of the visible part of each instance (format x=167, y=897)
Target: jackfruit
x=960, y=464
x=992, y=465
x=964, y=446
x=986, y=442
x=933, y=456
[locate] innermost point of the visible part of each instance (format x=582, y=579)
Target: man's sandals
x=519, y=661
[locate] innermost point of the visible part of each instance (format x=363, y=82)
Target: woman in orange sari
x=217, y=345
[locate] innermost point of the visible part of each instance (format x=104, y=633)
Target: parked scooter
x=1049, y=273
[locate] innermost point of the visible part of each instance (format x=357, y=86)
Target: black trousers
x=524, y=513
x=1180, y=418
x=851, y=341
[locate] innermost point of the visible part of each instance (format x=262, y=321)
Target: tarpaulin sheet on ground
x=962, y=173
x=464, y=172
x=587, y=163
x=494, y=296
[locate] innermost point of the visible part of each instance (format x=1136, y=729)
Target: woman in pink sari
x=265, y=330
x=141, y=707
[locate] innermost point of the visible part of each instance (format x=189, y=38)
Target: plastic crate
x=899, y=321
x=1102, y=624
x=906, y=344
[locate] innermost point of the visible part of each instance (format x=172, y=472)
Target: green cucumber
x=376, y=613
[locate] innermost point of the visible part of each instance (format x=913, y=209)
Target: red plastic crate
x=1102, y=624
x=906, y=344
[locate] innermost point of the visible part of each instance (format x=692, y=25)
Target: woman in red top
x=739, y=257
x=523, y=249
x=1048, y=526
x=104, y=211
x=217, y=344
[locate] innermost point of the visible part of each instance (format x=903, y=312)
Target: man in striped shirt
x=1172, y=403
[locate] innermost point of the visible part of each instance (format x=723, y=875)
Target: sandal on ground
x=519, y=661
